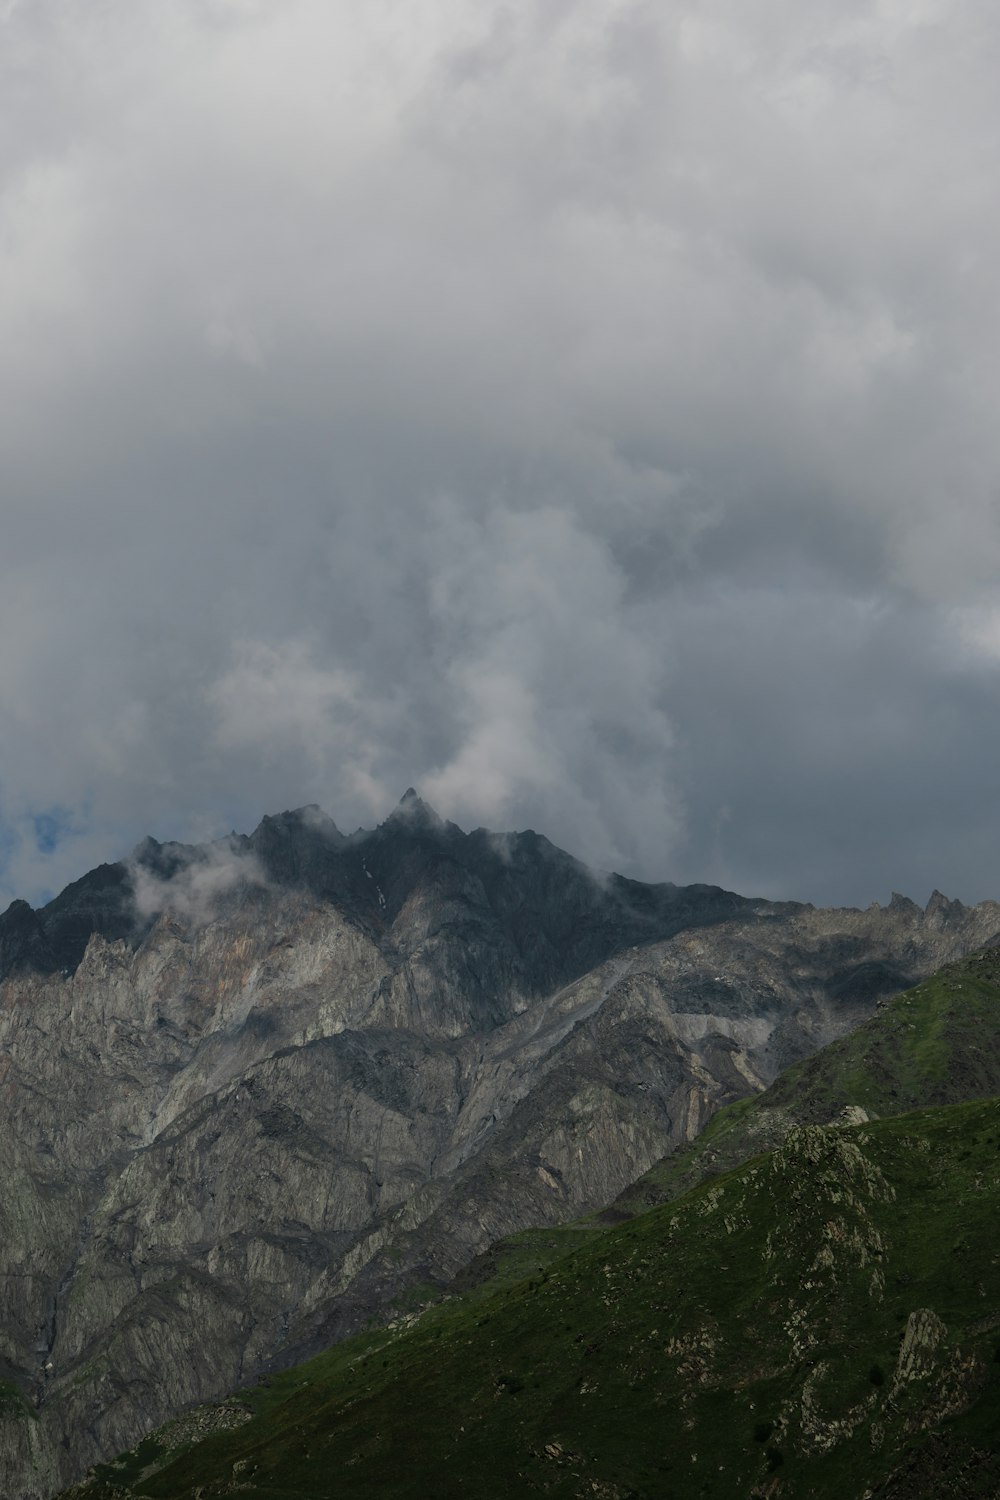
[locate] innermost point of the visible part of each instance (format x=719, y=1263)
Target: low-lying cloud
x=194, y=890
x=582, y=412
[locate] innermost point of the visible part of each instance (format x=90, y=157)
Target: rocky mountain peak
x=940, y=910
x=297, y=846
x=164, y=861
x=412, y=811
x=299, y=822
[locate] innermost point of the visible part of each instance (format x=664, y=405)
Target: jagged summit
x=166, y=860
x=943, y=908
x=412, y=811
x=373, y=875
x=311, y=818
x=940, y=908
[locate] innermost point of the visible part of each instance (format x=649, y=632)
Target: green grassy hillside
x=823, y=1322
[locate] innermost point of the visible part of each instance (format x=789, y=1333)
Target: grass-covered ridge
x=810, y=1324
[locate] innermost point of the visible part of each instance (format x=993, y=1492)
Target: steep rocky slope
x=822, y=1322
x=253, y=1093
x=936, y=1044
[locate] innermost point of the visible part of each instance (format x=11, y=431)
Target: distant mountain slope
x=936, y=1044
x=254, y=1094
x=823, y=1322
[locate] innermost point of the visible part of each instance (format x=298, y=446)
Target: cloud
x=582, y=412
x=276, y=706
x=554, y=695
x=194, y=890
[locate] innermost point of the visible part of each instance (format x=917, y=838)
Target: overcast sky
x=584, y=410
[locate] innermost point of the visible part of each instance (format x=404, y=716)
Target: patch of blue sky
x=28, y=840
x=51, y=827
x=9, y=842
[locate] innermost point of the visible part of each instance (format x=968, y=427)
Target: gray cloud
x=583, y=412
x=193, y=891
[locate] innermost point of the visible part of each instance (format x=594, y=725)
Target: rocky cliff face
x=254, y=1093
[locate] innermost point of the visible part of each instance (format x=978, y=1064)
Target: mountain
x=822, y=1321
x=258, y=1093
x=936, y=1044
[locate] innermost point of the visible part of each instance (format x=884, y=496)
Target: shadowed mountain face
x=255, y=1093
x=545, y=916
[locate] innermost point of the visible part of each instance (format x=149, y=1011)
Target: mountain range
x=263, y=1095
